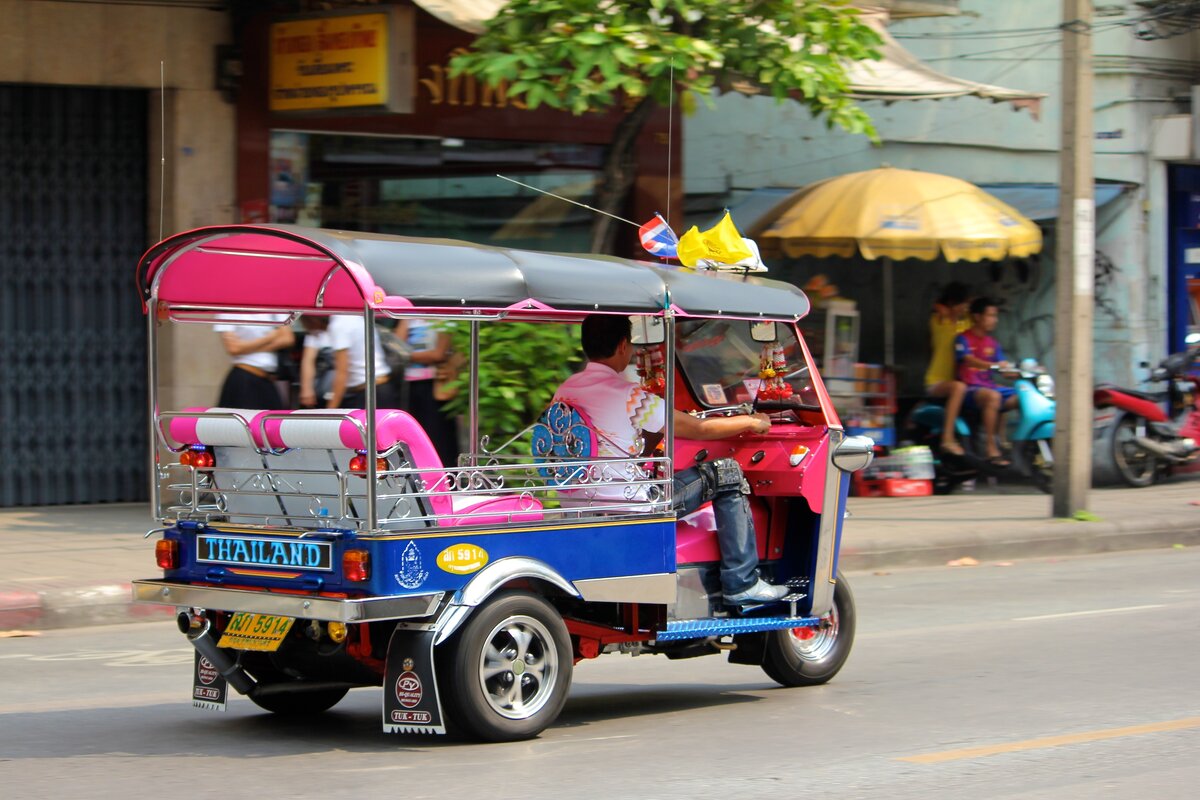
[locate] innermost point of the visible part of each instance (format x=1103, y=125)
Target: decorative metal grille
x=72, y=336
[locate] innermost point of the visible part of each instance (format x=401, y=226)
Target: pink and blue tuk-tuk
x=312, y=552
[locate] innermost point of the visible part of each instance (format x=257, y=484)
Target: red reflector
x=803, y=634
x=185, y=458
x=358, y=465
x=166, y=553
x=356, y=565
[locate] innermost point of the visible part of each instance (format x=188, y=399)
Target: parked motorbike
x=1031, y=436
x=1152, y=433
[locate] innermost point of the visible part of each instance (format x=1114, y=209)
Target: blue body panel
x=1037, y=413
x=408, y=563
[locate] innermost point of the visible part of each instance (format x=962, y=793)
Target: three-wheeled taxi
x=312, y=552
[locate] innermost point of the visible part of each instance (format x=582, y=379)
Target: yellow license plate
x=247, y=631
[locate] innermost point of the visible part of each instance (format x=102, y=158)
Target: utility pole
x=1075, y=276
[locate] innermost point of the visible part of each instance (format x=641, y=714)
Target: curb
x=109, y=604
x=1063, y=538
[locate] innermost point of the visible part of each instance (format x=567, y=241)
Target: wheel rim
x=815, y=644
x=518, y=667
x=1132, y=459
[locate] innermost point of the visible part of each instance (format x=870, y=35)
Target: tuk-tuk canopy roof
x=288, y=267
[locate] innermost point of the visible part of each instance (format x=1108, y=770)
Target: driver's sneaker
x=760, y=592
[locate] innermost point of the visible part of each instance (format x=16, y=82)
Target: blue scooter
x=1031, y=437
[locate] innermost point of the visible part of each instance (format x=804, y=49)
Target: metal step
x=728, y=626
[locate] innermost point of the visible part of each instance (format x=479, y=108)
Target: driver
x=621, y=410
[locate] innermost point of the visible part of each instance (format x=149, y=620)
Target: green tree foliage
x=586, y=55
x=520, y=366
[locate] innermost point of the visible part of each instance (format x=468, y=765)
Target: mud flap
x=210, y=690
x=410, y=694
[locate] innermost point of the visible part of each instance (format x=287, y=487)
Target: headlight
x=1045, y=384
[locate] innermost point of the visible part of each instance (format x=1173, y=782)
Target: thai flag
x=658, y=239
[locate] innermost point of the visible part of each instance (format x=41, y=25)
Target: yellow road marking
x=1053, y=741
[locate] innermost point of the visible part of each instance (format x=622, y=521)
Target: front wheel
x=812, y=656
x=509, y=668
x=1135, y=466
x=1031, y=463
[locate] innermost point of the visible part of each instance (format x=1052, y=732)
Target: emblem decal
x=411, y=576
x=408, y=689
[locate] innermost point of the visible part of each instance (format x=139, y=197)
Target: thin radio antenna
x=568, y=200
x=670, y=136
x=162, y=145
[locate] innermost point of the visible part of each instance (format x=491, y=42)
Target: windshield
x=724, y=366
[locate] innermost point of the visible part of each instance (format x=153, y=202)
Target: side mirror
x=647, y=330
x=854, y=453
x=763, y=331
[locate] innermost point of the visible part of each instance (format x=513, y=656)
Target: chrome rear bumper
x=332, y=609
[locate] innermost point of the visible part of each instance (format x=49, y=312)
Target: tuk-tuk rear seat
x=318, y=444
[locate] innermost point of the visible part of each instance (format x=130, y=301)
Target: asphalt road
x=1041, y=679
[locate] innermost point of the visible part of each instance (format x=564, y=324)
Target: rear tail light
x=198, y=456
x=358, y=465
x=166, y=553
x=356, y=565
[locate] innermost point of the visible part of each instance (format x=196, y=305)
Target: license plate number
x=247, y=631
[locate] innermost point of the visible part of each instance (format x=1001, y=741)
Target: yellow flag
x=721, y=244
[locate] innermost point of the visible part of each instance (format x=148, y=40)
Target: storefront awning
x=1039, y=201
x=899, y=75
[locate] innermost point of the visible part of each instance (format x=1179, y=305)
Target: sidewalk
x=67, y=566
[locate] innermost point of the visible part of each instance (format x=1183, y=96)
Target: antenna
x=670, y=135
x=568, y=200
x=162, y=145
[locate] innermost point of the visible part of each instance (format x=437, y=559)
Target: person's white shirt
x=348, y=332
x=267, y=360
x=619, y=411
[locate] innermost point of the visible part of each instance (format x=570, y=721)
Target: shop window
x=430, y=187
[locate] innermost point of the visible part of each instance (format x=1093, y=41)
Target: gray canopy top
x=288, y=267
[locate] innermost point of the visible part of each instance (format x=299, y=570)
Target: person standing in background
x=430, y=349
x=253, y=348
x=345, y=336
x=948, y=320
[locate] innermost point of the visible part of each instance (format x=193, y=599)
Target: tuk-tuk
x=302, y=567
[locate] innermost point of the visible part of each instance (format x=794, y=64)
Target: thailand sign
x=350, y=61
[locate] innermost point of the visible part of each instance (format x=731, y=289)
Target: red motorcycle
x=1150, y=434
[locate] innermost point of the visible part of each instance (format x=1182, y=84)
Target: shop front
x=351, y=120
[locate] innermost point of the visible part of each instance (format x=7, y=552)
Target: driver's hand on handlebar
x=762, y=423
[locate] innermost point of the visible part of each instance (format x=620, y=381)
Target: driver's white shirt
x=618, y=409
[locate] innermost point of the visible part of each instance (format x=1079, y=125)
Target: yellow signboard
x=337, y=62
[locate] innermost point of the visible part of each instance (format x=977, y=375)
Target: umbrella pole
x=889, y=333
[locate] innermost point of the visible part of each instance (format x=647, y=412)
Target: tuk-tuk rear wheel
x=812, y=656
x=509, y=668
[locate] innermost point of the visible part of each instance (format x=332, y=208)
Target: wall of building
x=148, y=46
x=749, y=142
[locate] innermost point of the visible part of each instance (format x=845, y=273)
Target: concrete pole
x=1075, y=276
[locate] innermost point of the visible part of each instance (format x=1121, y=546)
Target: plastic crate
x=891, y=487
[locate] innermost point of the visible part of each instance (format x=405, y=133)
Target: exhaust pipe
x=1177, y=452
x=199, y=633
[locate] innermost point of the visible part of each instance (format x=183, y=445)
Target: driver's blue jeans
x=735, y=528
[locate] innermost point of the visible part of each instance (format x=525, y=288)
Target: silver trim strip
x=368, y=609
x=659, y=588
x=823, y=579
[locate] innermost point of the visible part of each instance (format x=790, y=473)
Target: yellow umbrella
x=893, y=214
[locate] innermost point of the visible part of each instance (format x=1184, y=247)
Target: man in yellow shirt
x=948, y=320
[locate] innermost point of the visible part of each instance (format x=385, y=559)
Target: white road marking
x=1087, y=613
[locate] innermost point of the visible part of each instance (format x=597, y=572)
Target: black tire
x=508, y=671
x=1135, y=466
x=808, y=657
x=300, y=703
x=1028, y=460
